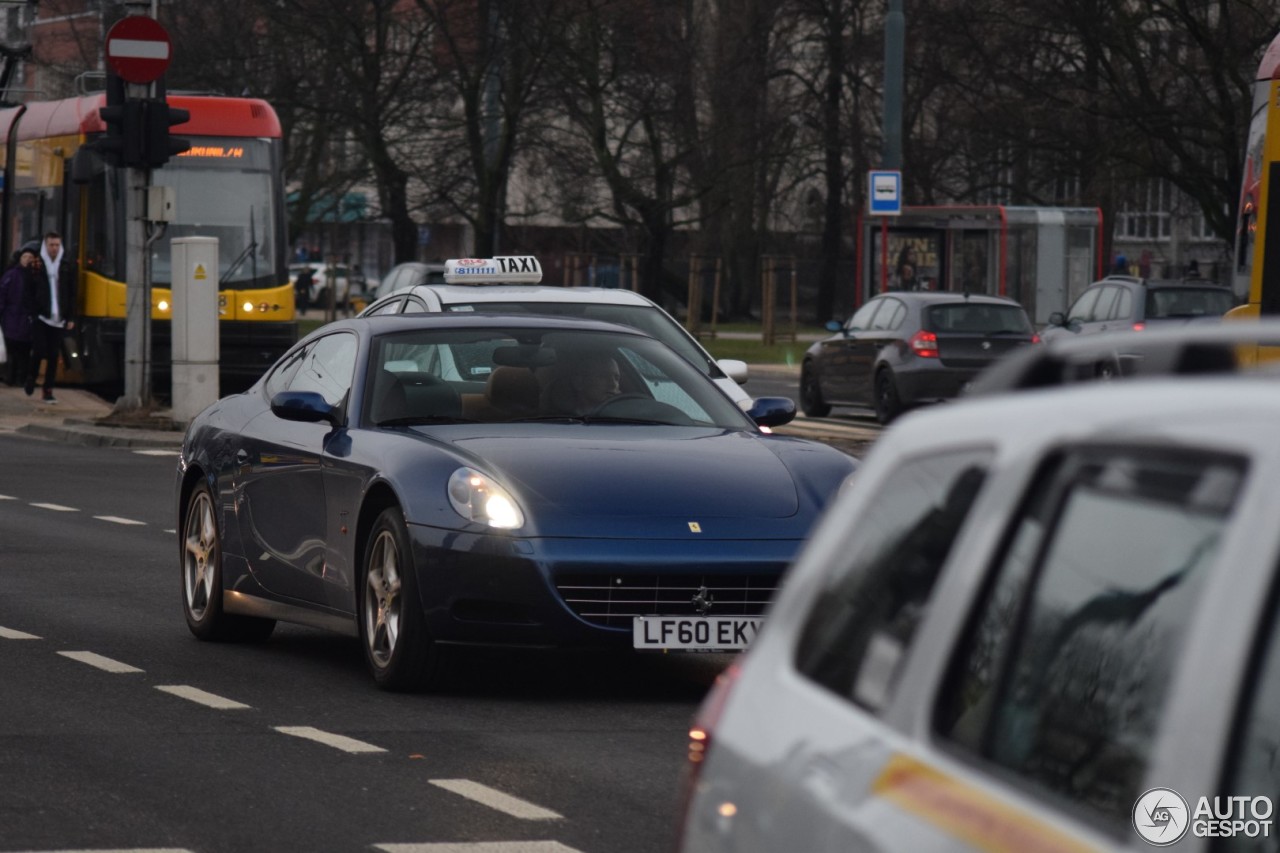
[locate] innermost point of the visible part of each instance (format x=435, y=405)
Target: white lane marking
x=170, y=530
x=57, y=507
x=11, y=634
x=195, y=694
x=7, y=498
x=495, y=799
x=129, y=850
x=156, y=452
x=115, y=519
x=102, y=663
x=479, y=847
x=342, y=742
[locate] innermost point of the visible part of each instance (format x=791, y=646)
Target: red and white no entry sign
x=138, y=49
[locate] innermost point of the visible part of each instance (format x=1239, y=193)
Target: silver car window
x=862, y=624
x=1063, y=678
x=1082, y=310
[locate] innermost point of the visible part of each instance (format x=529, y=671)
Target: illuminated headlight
x=248, y=306
x=163, y=305
x=477, y=498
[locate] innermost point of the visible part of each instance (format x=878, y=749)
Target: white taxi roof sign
x=506, y=269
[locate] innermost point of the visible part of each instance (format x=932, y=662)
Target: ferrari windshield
x=429, y=376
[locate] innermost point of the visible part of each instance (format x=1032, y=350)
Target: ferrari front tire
x=397, y=647
x=202, y=577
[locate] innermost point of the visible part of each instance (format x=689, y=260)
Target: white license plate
x=696, y=632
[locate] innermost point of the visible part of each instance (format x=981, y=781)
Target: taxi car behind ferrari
x=527, y=480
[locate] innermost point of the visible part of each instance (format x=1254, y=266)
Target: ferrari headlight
x=478, y=498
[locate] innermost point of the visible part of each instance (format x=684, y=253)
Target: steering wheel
x=621, y=398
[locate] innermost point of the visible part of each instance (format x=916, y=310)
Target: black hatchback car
x=1125, y=303
x=903, y=349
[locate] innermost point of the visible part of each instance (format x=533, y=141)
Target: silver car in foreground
x=1044, y=620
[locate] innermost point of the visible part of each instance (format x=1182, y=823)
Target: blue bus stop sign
x=884, y=193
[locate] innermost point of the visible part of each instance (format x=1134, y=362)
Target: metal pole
x=894, y=38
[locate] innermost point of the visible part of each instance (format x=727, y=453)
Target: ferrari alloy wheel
x=398, y=649
x=811, y=402
x=888, y=404
x=202, y=577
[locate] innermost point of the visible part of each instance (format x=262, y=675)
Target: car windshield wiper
x=421, y=420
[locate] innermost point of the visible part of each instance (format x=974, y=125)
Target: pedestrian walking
x=53, y=314
x=15, y=314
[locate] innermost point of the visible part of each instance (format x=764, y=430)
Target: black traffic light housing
x=159, y=146
x=121, y=144
x=137, y=134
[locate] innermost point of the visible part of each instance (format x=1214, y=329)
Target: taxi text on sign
x=138, y=49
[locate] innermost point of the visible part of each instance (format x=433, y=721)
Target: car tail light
x=1035, y=339
x=700, y=733
x=925, y=344
x=1138, y=327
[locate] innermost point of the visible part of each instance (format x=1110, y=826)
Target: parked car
x=1123, y=303
x=904, y=349
x=407, y=275
x=1041, y=620
x=349, y=286
x=483, y=479
x=491, y=291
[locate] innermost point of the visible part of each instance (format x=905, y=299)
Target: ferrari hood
x=619, y=471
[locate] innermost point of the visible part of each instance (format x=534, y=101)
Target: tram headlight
x=248, y=307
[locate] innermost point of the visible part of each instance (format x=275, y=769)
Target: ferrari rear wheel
x=400, y=653
x=202, y=577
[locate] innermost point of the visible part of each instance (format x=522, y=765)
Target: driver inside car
x=580, y=390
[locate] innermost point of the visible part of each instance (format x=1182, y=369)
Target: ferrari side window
x=327, y=368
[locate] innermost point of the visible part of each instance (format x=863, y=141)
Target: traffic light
x=159, y=146
x=121, y=144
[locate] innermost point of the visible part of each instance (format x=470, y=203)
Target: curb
x=90, y=436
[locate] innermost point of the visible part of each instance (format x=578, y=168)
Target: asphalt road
x=119, y=730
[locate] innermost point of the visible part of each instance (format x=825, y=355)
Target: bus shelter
x=1042, y=257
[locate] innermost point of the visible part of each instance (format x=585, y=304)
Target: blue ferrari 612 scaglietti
x=427, y=480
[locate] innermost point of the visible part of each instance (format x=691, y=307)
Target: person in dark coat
x=15, y=313
x=53, y=313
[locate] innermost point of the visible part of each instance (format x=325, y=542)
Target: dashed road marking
x=103, y=663
x=495, y=799
x=115, y=519
x=478, y=847
x=201, y=697
x=56, y=507
x=11, y=634
x=7, y=498
x=342, y=742
x=156, y=452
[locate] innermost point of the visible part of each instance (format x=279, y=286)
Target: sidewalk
x=80, y=417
